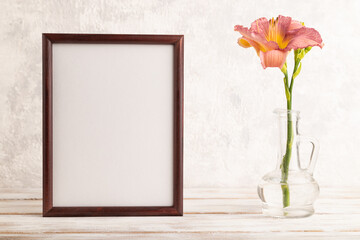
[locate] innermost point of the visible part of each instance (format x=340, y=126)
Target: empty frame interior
x=112, y=127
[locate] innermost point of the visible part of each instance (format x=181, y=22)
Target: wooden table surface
x=209, y=214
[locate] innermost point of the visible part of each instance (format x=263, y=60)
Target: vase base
x=288, y=212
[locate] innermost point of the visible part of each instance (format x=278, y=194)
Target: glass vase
x=289, y=191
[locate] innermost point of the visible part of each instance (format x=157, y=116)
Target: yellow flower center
x=275, y=34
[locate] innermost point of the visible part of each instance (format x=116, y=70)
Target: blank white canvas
x=112, y=125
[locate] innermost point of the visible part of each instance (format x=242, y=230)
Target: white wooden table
x=209, y=214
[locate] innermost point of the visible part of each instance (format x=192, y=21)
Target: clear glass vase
x=290, y=190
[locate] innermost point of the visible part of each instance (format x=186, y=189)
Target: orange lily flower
x=273, y=39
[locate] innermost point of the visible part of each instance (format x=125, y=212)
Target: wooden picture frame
x=71, y=164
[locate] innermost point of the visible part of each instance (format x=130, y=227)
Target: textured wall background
x=229, y=98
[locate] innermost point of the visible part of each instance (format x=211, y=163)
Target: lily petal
x=278, y=29
x=273, y=58
x=273, y=30
x=302, y=38
x=264, y=45
x=251, y=43
x=295, y=25
x=261, y=26
x=242, y=42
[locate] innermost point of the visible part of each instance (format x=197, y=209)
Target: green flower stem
x=289, y=142
x=286, y=159
x=298, y=55
x=295, y=73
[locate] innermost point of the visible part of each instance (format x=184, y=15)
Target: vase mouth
x=284, y=112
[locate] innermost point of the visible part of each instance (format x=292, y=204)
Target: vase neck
x=287, y=122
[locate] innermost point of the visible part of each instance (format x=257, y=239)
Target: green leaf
x=300, y=54
x=297, y=71
x=284, y=68
x=307, y=49
x=287, y=92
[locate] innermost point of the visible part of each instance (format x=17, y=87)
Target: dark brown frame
x=48, y=209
